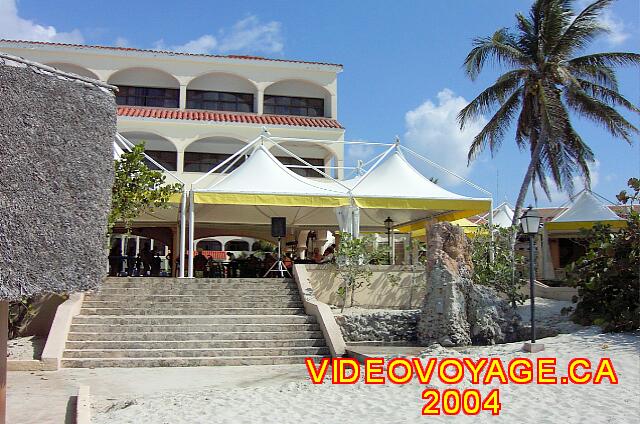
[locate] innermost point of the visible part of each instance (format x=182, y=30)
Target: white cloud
x=433, y=131
x=618, y=32
x=248, y=35
x=362, y=152
x=251, y=35
x=617, y=28
x=14, y=27
x=203, y=44
x=122, y=42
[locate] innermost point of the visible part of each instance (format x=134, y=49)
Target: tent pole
x=492, y=254
x=192, y=225
x=183, y=232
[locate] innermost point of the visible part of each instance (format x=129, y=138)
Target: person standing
x=147, y=259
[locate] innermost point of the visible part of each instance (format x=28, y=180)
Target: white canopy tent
x=262, y=187
x=585, y=211
x=503, y=216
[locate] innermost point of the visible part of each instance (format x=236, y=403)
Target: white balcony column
x=180, y=164
x=259, y=106
x=340, y=164
x=333, y=113
x=183, y=96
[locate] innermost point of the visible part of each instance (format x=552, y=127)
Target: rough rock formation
x=359, y=325
x=56, y=161
x=455, y=311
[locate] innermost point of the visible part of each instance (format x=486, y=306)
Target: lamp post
x=530, y=225
x=388, y=223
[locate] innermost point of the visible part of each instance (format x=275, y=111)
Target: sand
x=299, y=401
x=25, y=347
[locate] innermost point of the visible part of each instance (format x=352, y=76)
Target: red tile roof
x=131, y=49
x=245, y=118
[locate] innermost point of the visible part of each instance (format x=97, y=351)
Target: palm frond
x=493, y=132
x=501, y=48
x=600, y=113
x=601, y=75
x=556, y=17
x=528, y=126
x=606, y=59
x=582, y=30
x=504, y=86
x=604, y=94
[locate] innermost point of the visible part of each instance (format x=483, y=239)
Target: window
x=305, y=172
x=218, y=100
x=165, y=158
x=204, y=162
x=214, y=245
x=148, y=96
x=237, y=245
x=298, y=106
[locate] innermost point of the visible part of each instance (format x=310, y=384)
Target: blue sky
x=402, y=65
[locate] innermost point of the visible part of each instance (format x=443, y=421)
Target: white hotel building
x=193, y=111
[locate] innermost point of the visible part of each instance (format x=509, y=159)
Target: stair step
x=198, y=284
x=155, y=322
x=257, y=280
x=171, y=298
x=193, y=319
x=196, y=304
x=188, y=353
x=193, y=344
x=192, y=311
x=210, y=291
x=213, y=328
x=193, y=335
x=186, y=362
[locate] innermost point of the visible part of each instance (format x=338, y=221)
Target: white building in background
x=194, y=110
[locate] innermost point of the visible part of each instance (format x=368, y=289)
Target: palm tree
x=545, y=80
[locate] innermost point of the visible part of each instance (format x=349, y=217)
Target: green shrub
x=354, y=257
x=137, y=188
x=19, y=312
x=503, y=273
x=608, y=275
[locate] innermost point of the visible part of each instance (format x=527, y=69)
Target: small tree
x=608, y=275
x=137, y=188
x=499, y=274
x=353, y=259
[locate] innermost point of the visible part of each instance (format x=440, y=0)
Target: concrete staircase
x=165, y=322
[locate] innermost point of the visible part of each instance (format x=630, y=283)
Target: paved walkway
x=38, y=397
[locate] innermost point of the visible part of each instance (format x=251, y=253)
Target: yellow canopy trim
x=469, y=228
x=175, y=198
x=269, y=200
x=578, y=225
x=471, y=206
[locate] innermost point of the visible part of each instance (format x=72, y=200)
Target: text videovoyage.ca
x=452, y=371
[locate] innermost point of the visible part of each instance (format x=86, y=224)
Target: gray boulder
x=455, y=311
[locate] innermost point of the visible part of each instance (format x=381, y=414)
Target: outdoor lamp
x=530, y=224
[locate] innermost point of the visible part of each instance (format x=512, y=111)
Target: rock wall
x=380, y=326
x=56, y=161
x=456, y=312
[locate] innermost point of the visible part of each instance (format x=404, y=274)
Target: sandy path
x=300, y=401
